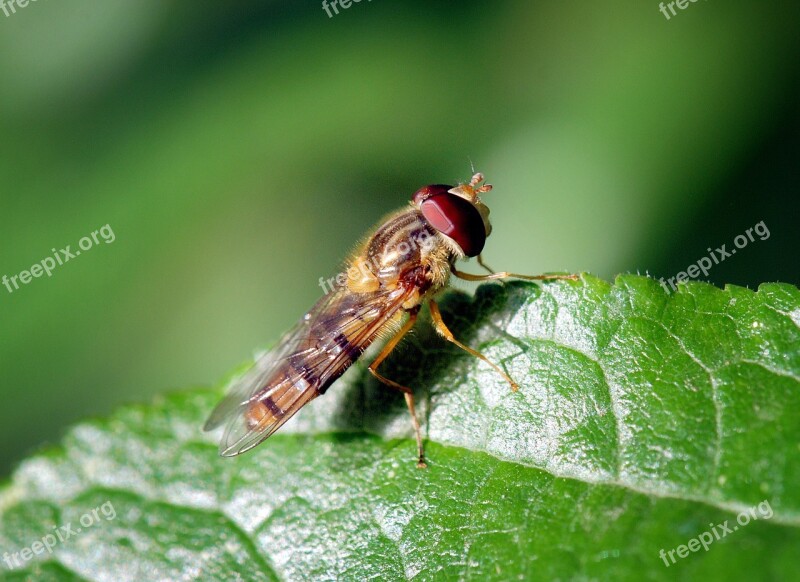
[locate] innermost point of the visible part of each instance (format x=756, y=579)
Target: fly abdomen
x=293, y=391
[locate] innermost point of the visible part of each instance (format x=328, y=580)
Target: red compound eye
x=427, y=191
x=455, y=217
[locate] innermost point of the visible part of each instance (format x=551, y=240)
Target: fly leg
x=485, y=266
x=409, y=395
x=506, y=275
x=440, y=326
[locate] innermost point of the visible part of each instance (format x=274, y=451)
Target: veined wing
x=306, y=360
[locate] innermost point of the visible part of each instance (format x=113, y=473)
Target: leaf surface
x=644, y=420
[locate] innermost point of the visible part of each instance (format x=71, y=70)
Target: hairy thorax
x=405, y=251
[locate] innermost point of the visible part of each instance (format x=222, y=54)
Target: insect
x=396, y=269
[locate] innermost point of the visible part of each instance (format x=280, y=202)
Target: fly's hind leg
x=409, y=395
x=440, y=326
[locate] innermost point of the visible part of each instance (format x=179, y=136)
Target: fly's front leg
x=485, y=266
x=409, y=395
x=506, y=275
x=440, y=326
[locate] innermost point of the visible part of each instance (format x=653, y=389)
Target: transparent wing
x=323, y=344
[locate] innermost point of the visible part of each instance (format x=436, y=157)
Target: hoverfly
x=402, y=265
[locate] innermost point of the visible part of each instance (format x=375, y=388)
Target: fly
x=402, y=265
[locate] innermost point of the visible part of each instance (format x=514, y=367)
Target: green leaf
x=644, y=420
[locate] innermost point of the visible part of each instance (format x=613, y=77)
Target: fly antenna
x=470, y=191
x=477, y=178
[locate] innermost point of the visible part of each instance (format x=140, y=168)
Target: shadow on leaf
x=423, y=359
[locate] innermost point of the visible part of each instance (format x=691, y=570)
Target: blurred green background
x=237, y=152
